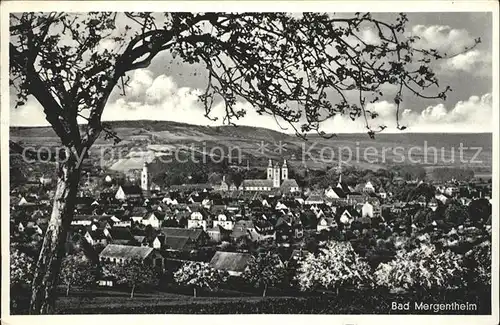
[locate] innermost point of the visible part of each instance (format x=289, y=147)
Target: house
x=122, y=254
x=214, y=234
x=96, y=237
x=151, y=241
x=128, y=192
x=222, y=186
x=264, y=185
x=367, y=210
x=451, y=190
x=218, y=234
x=121, y=236
x=153, y=219
x=23, y=202
x=179, y=244
x=197, y=236
x=83, y=220
x=232, y=263
x=258, y=230
x=382, y=193
x=297, y=255
x=224, y=221
x=356, y=197
x=368, y=187
x=433, y=204
x=334, y=193
x=289, y=186
x=314, y=198
x=198, y=219
x=442, y=198
x=347, y=215
x=325, y=224
x=123, y=223
x=288, y=226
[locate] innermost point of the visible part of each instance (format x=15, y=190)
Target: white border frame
x=289, y=6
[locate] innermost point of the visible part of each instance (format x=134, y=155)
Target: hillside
x=148, y=140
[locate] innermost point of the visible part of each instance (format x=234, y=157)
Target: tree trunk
x=265, y=290
x=67, y=289
x=194, y=292
x=51, y=254
x=132, y=292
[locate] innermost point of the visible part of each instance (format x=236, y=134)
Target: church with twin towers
x=277, y=180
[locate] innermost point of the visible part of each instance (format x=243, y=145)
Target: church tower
x=145, y=177
x=339, y=184
x=284, y=170
x=276, y=176
x=270, y=170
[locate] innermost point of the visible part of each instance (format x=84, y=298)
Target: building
x=224, y=221
x=368, y=187
x=196, y=236
x=314, y=199
x=325, y=224
x=154, y=219
x=145, y=179
x=123, y=253
x=367, y=210
x=198, y=219
x=277, y=179
x=222, y=186
x=128, y=192
x=232, y=263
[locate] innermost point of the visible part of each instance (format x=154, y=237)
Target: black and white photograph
x=220, y=158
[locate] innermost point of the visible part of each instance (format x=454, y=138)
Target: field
x=366, y=301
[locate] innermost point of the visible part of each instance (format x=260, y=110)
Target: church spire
x=339, y=184
x=145, y=177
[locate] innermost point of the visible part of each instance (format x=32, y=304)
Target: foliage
x=409, y=172
x=455, y=213
x=134, y=273
x=479, y=210
x=199, y=275
x=478, y=261
x=335, y=266
x=447, y=173
x=22, y=268
x=77, y=270
x=265, y=270
x=420, y=268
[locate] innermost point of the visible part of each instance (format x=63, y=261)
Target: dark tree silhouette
x=301, y=69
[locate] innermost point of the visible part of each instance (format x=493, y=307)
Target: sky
x=168, y=89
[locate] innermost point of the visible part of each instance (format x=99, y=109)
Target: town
x=222, y=226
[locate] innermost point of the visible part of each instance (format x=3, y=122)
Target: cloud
x=161, y=98
x=472, y=115
x=443, y=38
x=475, y=61
x=370, y=37
x=453, y=42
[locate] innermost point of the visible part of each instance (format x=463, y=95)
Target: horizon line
x=407, y=131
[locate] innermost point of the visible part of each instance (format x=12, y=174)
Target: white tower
x=145, y=177
x=339, y=184
x=276, y=176
x=270, y=170
x=284, y=170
